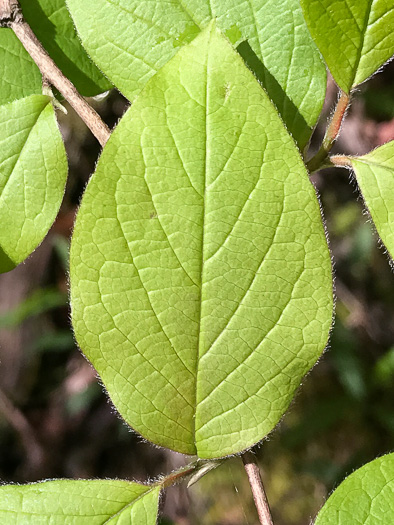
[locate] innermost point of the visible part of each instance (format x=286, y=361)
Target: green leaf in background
x=383, y=372
x=200, y=275
x=19, y=76
x=53, y=26
x=364, y=498
x=39, y=302
x=355, y=37
x=79, y=502
x=131, y=40
x=33, y=172
x=375, y=178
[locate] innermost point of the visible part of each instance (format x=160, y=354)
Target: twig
x=256, y=484
x=331, y=135
x=21, y=425
x=11, y=16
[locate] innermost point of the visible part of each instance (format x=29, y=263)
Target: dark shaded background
x=55, y=419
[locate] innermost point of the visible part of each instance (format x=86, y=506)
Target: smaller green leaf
x=375, y=178
x=355, y=37
x=33, y=172
x=79, y=502
x=364, y=498
x=19, y=76
x=53, y=26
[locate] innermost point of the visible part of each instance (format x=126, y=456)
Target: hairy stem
x=256, y=484
x=179, y=475
x=332, y=133
x=11, y=16
x=193, y=472
x=341, y=161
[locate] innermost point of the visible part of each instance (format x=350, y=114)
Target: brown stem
x=331, y=135
x=11, y=16
x=256, y=484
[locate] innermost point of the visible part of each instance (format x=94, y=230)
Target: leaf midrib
x=207, y=86
x=361, y=46
x=19, y=154
x=130, y=504
x=146, y=21
x=189, y=15
x=372, y=163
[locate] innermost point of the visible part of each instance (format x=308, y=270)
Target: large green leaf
x=375, y=178
x=54, y=27
x=19, y=76
x=82, y=502
x=131, y=40
x=364, y=498
x=33, y=171
x=354, y=36
x=200, y=273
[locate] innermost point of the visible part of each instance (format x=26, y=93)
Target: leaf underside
x=364, y=498
x=131, y=40
x=355, y=37
x=375, y=177
x=33, y=172
x=200, y=274
x=79, y=502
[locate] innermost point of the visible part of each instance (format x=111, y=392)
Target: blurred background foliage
x=56, y=421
